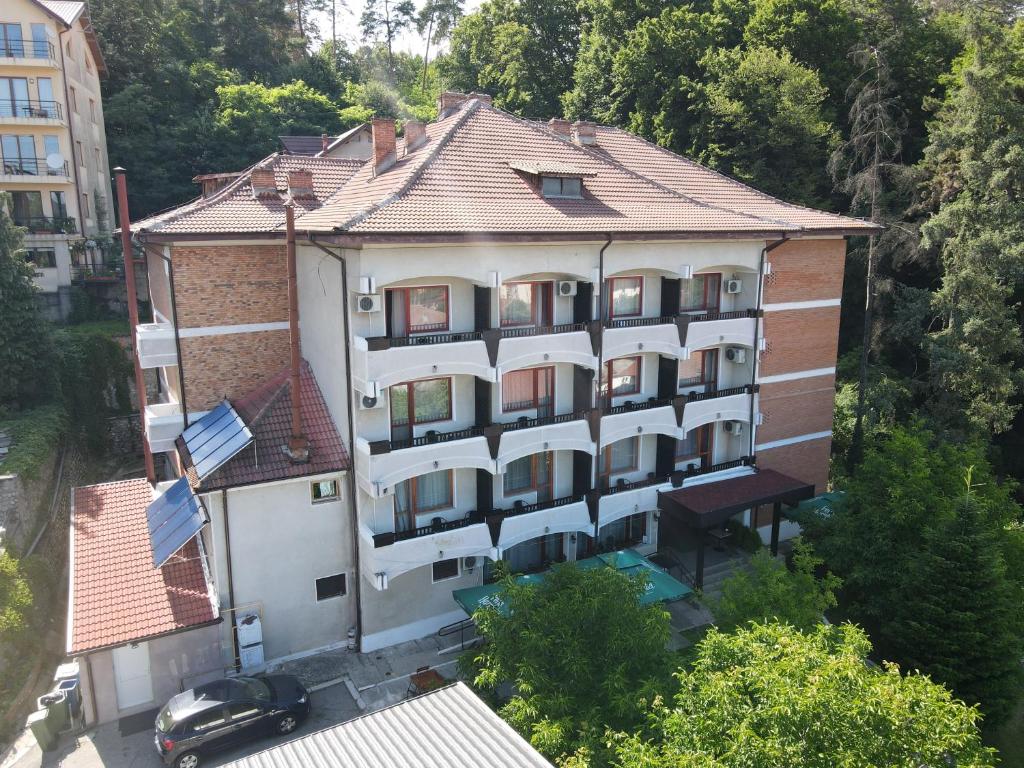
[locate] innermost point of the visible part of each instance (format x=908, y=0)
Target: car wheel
x=187, y=760
x=286, y=724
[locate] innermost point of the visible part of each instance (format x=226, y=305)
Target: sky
x=348, y=14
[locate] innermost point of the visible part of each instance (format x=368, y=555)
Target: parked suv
x=226, y=713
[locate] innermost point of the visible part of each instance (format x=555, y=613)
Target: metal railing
x=30, y=108
x=680, y=474
x=438, y=525
x=521, y=508
x=97, y=272
x=431, y=338
x=541, y=330
x=694, y=397
x=638, y=405
x=63, y=225
x=639, y=322
x=716, y=315
x=32, y=166
x=542, y=421
x=433, y=437
x=27, y=49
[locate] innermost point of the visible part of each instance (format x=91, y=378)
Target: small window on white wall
x=446, y=569
x=324, y=490
x=330, y=586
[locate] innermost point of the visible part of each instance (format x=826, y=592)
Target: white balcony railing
x=571, y=435
x=701, y=334
x=156, y=347
x=376, y=472
x=567, y=518
x=384, y=557
x=164, y=423
x=628, y=337
x=649, y=421
x=534, y=347
x=379, y=363
x=729, y=408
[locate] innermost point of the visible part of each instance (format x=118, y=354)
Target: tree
x=15, y=600
x=772, y=592
x=438, y=18
x=581, y=652
x=771, y=695
x=390, y=18
x=26, y=345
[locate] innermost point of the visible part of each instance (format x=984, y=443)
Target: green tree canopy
x=770, y=696
x=581, y=652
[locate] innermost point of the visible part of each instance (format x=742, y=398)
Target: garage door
x=131, y=675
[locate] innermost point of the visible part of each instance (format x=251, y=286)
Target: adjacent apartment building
x=492, y=340
x=52, y=142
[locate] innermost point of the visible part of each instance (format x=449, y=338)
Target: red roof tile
x=117, y=596
x=267, y=413
x=234, y=209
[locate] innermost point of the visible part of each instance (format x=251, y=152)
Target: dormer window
x=561, y=186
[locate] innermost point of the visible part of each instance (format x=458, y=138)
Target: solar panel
x=174, y=518
x=215, y=438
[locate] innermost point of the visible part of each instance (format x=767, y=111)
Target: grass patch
x=34, y=435
x=114, y=327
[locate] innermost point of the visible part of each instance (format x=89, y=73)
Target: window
x=696, y=446
x=535, y=554
x=99, y=162
x=73, y=99
x=620, y=457
x=418, y=495
x=243, y=711
x=14, y=97
x=45, y=86
x=80, y=153
x=623, y=376
x=330, y=586
x=12, y=44
x=27, y=209
x=445, y=569
x=67, y=47
x=701, y=293
x=525, y=304
x=423, y=309
x=529, y=389
x=324, y=490
x=19, y=155
x=92, y=110
x=701, y=368
x=626, y=295
x=85, y=204
x=530, y=473
x=43, y=258
x=561, y=186
x=40, y=42
x=58, y=205
x=421, y=402
x=51, y=145
x=208, y=720
x=624, y=533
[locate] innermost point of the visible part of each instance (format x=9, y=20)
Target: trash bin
x=72, y=689
x=56, y=705
x=38, y=723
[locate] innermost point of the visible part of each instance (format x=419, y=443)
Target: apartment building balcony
x=384, y=463
x=380, y=361
x=48, y=225
x=522, y=522
x=519, y=347
x=565, y=432
x=31, y=112
x=655, y=415
x=155, y=342
x=32, y=170
x=389, y=554
x=713, y=328
x=163, y=423
x=28, y=53
x=643, y=334
x=97, y=273
x=732, y=404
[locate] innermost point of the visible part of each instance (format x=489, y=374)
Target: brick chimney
x=325, y=142
x=584, y=132
x=449, y=101
x=382, y=130
x=263, y=183
x=559, y=126
x=415, y=135
x=300, y=184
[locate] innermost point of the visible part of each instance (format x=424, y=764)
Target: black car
x=226, y=713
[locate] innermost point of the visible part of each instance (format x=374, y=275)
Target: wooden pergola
x=708, y=505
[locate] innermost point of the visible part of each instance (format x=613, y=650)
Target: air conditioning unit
x=367, y=403
x=736, y=354
x=566, y=287
x=733, y=286
x=468, y=564
x=369, y=302
x=733, y=427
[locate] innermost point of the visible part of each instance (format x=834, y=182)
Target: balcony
x=567, y=432
x=384, y=463
x=32, y=169
x=536, y=345
x=653, y=416
x=28, y=53
x=718, y=405
x=47, y=225
x=30, y=110
x=156, y=346
x=642, y=334
x=164, y=423
x=381, y=361
x=529, y=521
x=388, y=555
x=713, y=328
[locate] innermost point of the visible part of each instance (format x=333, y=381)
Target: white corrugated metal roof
x=65, y=10
x=447, y=728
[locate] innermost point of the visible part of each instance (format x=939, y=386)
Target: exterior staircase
x=715, y=575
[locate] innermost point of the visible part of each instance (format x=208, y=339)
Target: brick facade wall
x=230, y=284
x=807, y=461
x=800, y=340
x=230, y=365
x=806, y=270
x=798, y=407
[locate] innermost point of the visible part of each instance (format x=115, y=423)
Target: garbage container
x=72, y=689
x=38, y=723
x=56, y=704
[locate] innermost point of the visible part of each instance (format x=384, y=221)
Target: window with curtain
x=420, y=309
x=419, y=495
x=530, y=473
x=525, y=304
x=421, y=402
x=529, y=389
x=620, y=457
x=626, y=296
x=695, y=446
x=625, y=532
x=701, y=292
x=622, y=376
x=701, y=368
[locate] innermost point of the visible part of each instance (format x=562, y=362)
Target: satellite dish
x=55, y=161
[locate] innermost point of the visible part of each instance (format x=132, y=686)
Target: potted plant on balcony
x=437, y=524
x=677, y=478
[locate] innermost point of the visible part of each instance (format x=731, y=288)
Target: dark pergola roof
x=710, y=504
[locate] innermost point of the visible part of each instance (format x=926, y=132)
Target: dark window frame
x=705, y=305
x=410, y=394
x=433, y=570
x=534, y=486
x=328, y=593
x=612, y=314
x=415, y=509
x=410, y=329
x=608, y=376
x=606, y=461
x=534, y=404
x=537, y=319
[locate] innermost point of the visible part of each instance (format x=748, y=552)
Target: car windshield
x=254, y=689
x=164, y=721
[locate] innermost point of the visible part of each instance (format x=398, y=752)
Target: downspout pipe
x=353, y=493
x=768, y=248
x=602, y=312
x=231, y=582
